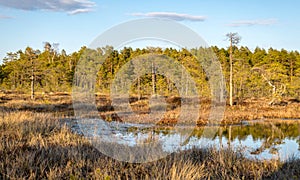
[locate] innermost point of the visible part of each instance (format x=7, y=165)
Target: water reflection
x=261, y=140
x=265, y=140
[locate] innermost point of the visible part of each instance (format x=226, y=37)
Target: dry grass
x=60, y=104
x=35, y=145
x=260, y=110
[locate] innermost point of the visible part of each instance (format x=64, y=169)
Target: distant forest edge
x=260, y=73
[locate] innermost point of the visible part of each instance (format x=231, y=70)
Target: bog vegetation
x=39, y=146
x=35, y=144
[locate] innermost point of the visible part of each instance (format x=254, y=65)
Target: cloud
x=171, y=15
x=69, y=6
x=262, y=22
x=78, y=11
x=5, y=17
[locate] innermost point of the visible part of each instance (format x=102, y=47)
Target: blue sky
x=75, y=23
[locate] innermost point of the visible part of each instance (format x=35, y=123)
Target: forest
x=259, y=73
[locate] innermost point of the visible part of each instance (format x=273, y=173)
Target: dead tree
x=32, y=55
x=277, y=92
x=234, y=39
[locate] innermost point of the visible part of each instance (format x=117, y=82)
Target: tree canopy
x=54, y=71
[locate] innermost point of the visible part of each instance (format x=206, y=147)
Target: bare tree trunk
x=186, y=86
x=15, y=82
x=229, y=136
x=291, y=71
x=52, y=59
x=273, y=89
x=70, y=64
x=153, y=79
x=182, y=81
x=220, y=137
x=277, y=93
x=139, y=88
x=168, y=86
x=111, y=69
x=234, y=38
x=32, y=79
x=230, y=78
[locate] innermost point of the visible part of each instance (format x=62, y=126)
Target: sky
x=76, y=23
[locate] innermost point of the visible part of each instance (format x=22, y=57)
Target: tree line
x=259, y=73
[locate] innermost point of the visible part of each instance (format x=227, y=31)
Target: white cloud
x=78, y=11
x=263, y=22
x=171, y=15
x=70, y=6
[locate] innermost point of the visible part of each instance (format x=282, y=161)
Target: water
x=260, y=140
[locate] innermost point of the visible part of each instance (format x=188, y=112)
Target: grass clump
x=37, y=146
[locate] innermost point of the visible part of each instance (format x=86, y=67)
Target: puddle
x=254, y=139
